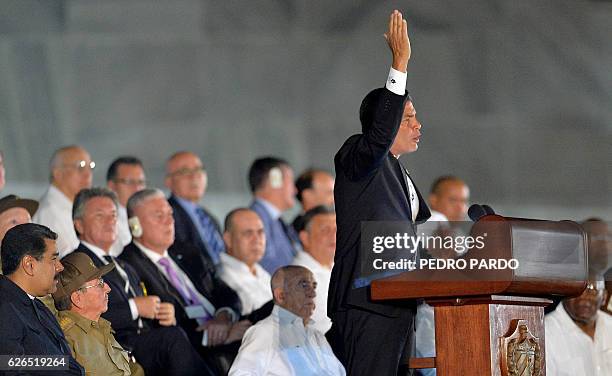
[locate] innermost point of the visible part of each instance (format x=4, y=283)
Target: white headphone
x=135, y=227
x=276, y=177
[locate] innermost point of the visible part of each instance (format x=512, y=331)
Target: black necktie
x=128, y=287
x=292, y=236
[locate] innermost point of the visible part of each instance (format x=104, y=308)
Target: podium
x=491, y=321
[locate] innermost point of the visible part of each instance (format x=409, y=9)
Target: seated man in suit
x=314, y=187
x=579, y=335
x=285, y=343
x=271, y=182
x=31, y=263
x=159, y=346
x=319, y=239
x=71, y=170
x=207, y=309
x=245, y=242
x=81, y=297
x=125, y=176
x=187, y=181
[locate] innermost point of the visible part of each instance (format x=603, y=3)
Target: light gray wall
x=514, y=96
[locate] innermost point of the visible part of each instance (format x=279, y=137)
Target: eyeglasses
x=131, y=182
x=100, y=284
x=187, y=171
x=81, y=165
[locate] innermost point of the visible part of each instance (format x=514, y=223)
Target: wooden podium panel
x=490, y=320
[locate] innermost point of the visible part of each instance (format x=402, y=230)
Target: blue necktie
x=212, y=238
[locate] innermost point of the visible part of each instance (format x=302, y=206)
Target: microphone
x=476, y=211
x=488, y=210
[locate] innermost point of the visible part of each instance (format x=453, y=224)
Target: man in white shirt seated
x=285, y=343
x=579, y=336
x=319, y=240
x=71, y=170
x=245, y=244
x=125, y=176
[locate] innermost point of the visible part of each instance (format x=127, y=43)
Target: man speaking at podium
x=368, y=337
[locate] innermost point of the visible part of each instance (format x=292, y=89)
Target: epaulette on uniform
x=66, y=323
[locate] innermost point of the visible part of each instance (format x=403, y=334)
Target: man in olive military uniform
x=81, y=297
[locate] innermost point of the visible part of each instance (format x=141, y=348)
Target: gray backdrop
x=514, y=96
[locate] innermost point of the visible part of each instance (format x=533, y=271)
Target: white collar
x=96, y=250
x=287, y=317
x=151, y=255
x=58, y=196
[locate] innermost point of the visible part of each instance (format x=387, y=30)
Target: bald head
x=294, y=288
x=185, y=176
x=450, y=196
x=71, y=170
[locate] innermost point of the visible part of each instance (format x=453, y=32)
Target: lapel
x=185, y=225
x=402, y=173
x=157, y=277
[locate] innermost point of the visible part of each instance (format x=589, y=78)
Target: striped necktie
x=212, y=238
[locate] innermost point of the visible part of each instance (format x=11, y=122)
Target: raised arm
x=381, y=111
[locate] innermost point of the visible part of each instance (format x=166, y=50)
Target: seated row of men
x=159, y=277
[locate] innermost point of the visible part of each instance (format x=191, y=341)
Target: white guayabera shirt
x=570, y=352
x=281, y=345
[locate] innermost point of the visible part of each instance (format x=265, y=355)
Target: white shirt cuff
x=396, y=82
x=133, y=309
x=230, y=311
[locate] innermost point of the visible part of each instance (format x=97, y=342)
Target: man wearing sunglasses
x=81, y=297
x=71, y=170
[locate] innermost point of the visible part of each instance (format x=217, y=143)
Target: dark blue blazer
x=119, y=313
x=23, y=333
x=185, y=231
x=370, y=186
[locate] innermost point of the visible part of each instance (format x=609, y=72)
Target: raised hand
x=398, y=41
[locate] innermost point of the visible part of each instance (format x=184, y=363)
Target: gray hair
x=81, y=199
x=141, y=196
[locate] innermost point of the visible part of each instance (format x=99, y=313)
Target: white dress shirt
x=282, y=345
x=322, y=276
x=571, y=352
x=55, y=212
x=253, y=290
x=124, y=237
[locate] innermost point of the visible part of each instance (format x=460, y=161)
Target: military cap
x=78, y=269
x=12, y=201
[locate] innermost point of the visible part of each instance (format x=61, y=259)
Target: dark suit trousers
x=167, y=351
x=367, y=343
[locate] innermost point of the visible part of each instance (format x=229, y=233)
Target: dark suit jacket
x=197, y=268
x=24, y=334
x=185, y=230
x=119, y=313
x=370, y=186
